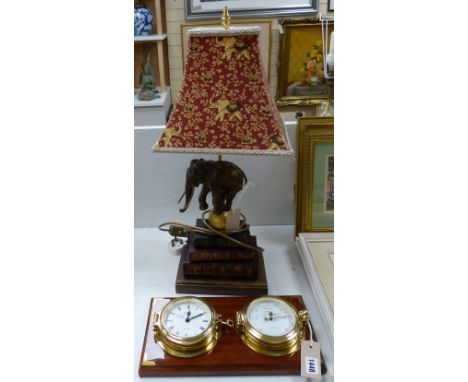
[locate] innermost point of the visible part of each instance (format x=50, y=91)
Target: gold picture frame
x=264, y=39
x=301, y=79
x=315, y=175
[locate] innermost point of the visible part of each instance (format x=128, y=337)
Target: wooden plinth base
x=257, y=287
x=229, y=357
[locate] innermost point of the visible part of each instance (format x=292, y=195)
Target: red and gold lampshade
x=225, y=103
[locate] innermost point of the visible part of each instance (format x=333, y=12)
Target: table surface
x=155, y=271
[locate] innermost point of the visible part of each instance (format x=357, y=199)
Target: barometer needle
x=273, y=317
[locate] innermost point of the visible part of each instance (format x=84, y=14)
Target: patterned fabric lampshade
x=225, y=103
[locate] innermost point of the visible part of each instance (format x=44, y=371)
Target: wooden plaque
x=229, y=357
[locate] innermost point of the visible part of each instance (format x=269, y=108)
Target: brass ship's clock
x=272, y=326
x=187, y=327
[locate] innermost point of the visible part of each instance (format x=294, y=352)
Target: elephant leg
x=202, y=197
x=218, y=202
x=229, y=198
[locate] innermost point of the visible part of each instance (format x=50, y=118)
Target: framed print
x=212, y=9
x=315, y=191
x=301, y=78
x=264, y=39
x=331, y=5
x=316, y=250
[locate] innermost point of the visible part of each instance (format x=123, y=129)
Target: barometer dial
x=272, y=317
x=272, y=326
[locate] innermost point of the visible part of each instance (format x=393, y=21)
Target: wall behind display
x=175, y=17
x=160, y=180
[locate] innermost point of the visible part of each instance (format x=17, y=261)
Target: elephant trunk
x=189, y=191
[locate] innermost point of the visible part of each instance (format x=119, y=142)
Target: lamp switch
x=177, y=231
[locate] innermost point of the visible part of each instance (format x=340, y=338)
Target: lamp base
x=242, y=287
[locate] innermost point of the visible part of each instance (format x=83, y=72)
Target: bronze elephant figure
x=223, y=179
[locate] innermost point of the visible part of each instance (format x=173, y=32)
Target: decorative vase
x=143, y=20
x=314, y=80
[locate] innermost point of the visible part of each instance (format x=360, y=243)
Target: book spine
x=221, y=270
x=221, y=256
x=214, y=243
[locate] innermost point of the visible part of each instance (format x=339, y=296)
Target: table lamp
x=224, y=106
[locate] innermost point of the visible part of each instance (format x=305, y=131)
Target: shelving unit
x=152, y=37
x=153, y=112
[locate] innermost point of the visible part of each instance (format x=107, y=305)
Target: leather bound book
x=220, y=254
x=221, y=270
x=211, y=285
x=215, y=241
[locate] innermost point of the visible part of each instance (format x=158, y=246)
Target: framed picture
x=331, y=5
x=315, y=175
x=264, y=39
x=301, y=78
x=316, y=250
x=212, y=9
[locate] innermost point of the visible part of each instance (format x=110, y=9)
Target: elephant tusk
x=187, y=202
x=181, y=197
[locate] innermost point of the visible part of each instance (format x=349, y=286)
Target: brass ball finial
x=226, y=18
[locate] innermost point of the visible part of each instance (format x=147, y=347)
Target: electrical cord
x=179, y=229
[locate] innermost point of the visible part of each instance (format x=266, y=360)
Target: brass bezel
x=190, y=346
x=274, y=346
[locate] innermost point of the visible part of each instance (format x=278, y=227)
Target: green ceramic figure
x=147, y=83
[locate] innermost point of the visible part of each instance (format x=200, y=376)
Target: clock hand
x=198, y=315
x=188, y=317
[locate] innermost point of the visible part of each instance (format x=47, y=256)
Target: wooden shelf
x=160, y=101
x=151, y=37
x=154, y=45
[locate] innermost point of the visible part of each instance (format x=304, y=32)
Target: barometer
x=272, y=326
x=187, y=327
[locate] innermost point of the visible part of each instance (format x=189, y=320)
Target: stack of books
x=212, y=264
x=215, y=257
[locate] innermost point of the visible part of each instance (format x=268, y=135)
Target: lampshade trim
x=197, y=150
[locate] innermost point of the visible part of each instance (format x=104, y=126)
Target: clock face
x=271, y=317
x=187, y=318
